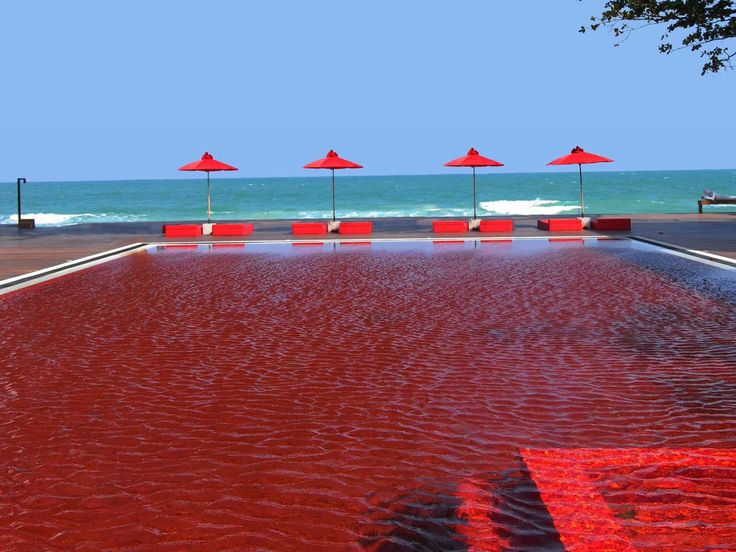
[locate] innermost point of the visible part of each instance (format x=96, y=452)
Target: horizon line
x=350, y=175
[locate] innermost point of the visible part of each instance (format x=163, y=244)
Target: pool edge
x=697, y=254
x=24, y=280
x=21, y=281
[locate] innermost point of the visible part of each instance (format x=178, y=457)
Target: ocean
x=549, y=193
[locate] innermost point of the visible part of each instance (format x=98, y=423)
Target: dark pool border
x=718, y=259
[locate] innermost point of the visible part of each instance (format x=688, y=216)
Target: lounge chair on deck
x=702, y=202
x=309, y=228
x=182, y=230
x=355, y=227
x=496, y=225
x=560, y=225
x=232, y=229
x=711, y=198
x=611, y=224
x=450, y=226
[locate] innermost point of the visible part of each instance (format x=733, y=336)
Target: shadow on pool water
x=502, y=512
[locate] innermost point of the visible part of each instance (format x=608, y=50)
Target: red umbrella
x=208, y=164
x=578, y=156
x=332, y=162
x=473, y=159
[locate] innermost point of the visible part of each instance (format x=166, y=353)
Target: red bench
x=355, y=228
x=232, y=229
x=183, y=230
x=612, y=224
x=309, y=228
x=560, y=225
x=496, y=226
x=450, y=226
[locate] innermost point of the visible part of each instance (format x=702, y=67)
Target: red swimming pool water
x=373, y=397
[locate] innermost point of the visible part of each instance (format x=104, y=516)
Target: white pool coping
x=45, y=274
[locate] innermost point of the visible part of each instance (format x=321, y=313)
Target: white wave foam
x=527, y=207
x=419, y=212
x=358, y=214
x=502, y=207
x=62, y=219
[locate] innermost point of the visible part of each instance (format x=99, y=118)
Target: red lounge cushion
x=235, y=229
x=496, y=226
x=355, y=228
x=617, y=224
x=182, y=230
x=308, y=228
x=449, y=226
x=560, y=225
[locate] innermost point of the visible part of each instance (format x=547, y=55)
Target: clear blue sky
x=134, y=89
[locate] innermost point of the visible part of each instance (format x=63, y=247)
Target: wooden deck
x=24, y=251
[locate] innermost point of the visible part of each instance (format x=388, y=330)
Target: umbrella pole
x=333, y=196
x=209, y=210
x=582, y=198
x=23, y=180
x=475, y=215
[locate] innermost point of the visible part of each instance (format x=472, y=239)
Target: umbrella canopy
x=473, y=159
x=333, y=162
x=578, y=156
x=208, y=164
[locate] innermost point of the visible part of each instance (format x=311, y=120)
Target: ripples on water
x=363, y=399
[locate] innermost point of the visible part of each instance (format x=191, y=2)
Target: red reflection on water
x=331, y=400
x=662, y=499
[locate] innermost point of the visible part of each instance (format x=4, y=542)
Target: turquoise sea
x=63, y=203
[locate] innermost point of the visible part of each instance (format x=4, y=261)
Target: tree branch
x=704, y=22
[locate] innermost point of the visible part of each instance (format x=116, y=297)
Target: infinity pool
x=525, y=395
